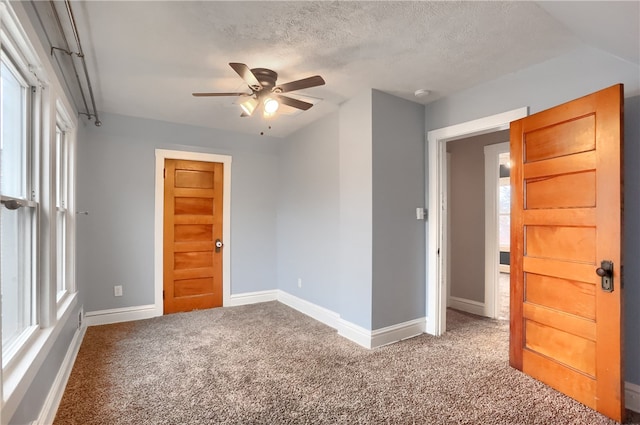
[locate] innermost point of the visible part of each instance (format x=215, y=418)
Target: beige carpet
x=269, y=364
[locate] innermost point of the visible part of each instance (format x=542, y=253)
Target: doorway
x=475, y=245
x=437, y=263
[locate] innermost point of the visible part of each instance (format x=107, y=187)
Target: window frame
x=29, y=200
x=65, y=186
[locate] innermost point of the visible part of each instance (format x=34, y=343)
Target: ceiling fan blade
x=219, y=94
x=245, y=73
x=305, y=83
x=299, y=104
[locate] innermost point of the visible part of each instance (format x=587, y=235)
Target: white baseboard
x=321, y=314
x=470, y=306
x=116, y=315
x=383, y=336
x=355, y=333
x=351, y=331
x=395, y=333
x=51, y=403
x=632, y=396
x=252, y=298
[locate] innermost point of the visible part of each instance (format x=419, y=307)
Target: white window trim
x=29, y=199
x=491, y=226
x=64, y=121
x=504, y=181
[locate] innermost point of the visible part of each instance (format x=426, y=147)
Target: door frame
x=437, y=192
x=492, y=244
x=161, y=155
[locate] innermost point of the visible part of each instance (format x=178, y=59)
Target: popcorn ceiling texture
x=269, y=364
x=149, y=56
x=390, y=44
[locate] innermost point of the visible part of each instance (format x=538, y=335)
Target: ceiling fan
x=265, y=93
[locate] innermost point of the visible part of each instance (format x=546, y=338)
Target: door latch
x=605, y=271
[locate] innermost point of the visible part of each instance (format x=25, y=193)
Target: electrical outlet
x=117, y=291
x=299, y=282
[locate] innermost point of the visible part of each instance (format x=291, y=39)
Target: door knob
x=605, y=271
x=218, y=245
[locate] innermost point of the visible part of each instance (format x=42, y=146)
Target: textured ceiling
x=146, y=58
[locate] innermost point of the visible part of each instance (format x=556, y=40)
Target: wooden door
x=566, y=331
x=192, y=226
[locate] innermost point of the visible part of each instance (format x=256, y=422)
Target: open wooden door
x=566, y=218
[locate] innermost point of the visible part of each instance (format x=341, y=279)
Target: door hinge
x=164, y=173
x=163, y=295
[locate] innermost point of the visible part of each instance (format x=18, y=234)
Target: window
x=18, y=212
x=504, y=211
x=36, y=194
x=61, y=212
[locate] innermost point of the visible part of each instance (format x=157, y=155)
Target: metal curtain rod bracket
x=90, y=116
x=78, y=54
x=53, y=49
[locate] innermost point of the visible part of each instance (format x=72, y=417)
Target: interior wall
x=348, y=188
x=632, y=237
x=466, y=214
x=309, y=215
x=398, y=189
x=539, y=87
x=116, y=185
x=356, y=219
x=548, y=84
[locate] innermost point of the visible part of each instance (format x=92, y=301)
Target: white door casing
x=161, y=155
x=437, y=185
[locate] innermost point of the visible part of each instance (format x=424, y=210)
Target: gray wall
x=543, y=86
x=466, y=214
x=356, y=219
x=309, y=214
x=398, y=189
x=116, y=169
x=632, y=237
x=348, y=188
x=539, y=87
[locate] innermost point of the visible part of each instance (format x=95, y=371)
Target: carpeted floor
x=269, y=364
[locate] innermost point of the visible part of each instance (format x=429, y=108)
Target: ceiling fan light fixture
x=249, y=105
x=271, y=105
x=265, y=93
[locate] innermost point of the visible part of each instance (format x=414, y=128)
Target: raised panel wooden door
x=566, y=217
x=192, y=227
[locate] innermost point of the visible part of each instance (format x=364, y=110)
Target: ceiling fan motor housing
x=266, y=77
